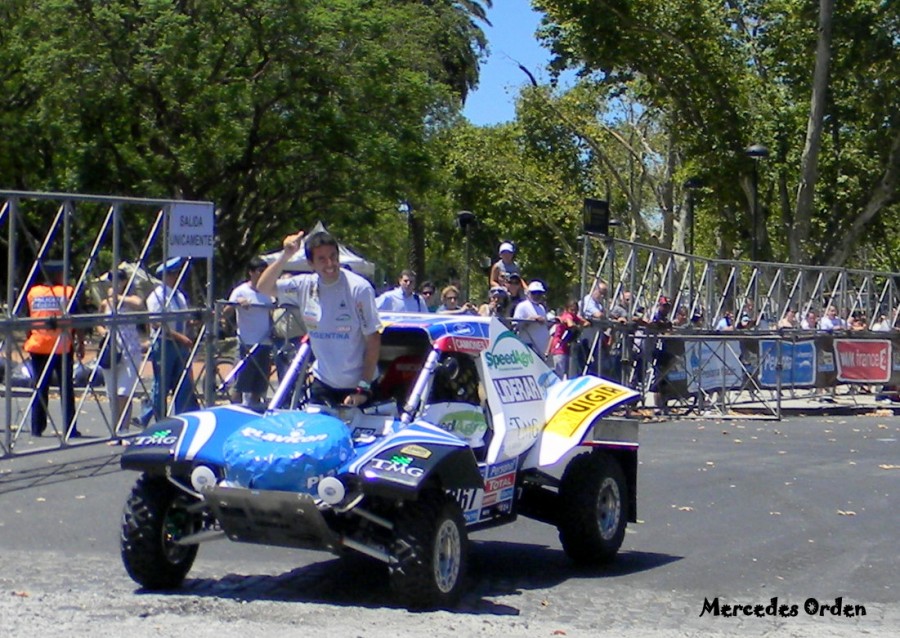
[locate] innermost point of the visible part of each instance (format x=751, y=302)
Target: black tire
x=155, y=516
x=431, y=549
x=593, y=502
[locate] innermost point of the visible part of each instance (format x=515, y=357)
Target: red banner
x=863, y=361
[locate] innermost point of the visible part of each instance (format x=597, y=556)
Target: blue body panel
x=437, y=326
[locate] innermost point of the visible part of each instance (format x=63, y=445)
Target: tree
x=279, y=111
x=727, y=75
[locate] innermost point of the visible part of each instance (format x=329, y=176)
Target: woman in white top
x=129, y=348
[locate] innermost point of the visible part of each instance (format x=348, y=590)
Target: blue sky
x=512, y=41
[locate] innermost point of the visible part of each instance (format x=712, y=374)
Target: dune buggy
x=467, y=429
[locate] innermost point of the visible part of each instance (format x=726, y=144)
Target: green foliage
x=279, y=111
x=729, y=75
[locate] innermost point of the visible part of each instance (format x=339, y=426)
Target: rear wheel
x=431, y=549
x=593, y=498
x=156, y=515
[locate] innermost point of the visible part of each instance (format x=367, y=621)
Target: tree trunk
x=883, y=194
x=809, y=160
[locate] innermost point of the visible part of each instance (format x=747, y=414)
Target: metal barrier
x=706, y=373
x=91, y=236
x=707, y=288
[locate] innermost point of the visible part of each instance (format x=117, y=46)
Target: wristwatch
x=363, y=387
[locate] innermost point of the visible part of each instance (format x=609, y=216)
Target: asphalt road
x=732, y=513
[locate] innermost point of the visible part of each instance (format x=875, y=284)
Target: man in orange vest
x=50, y=347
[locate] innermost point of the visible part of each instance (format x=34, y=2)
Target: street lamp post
x=466, y=220
x=690, y=186
x=756, y=152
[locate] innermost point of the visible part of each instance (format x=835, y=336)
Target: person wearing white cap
x=171, y=346
x=505, y=266
x=531, y=319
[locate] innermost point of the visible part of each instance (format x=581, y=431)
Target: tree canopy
x=279, y=111
x=817, y=84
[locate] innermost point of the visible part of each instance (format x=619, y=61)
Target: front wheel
x=156, y=515
x=431, y=549
x=593, y=498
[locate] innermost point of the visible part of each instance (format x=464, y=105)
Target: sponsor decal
x=471, y=345
x=398, y=465
x=465, y=498
x=826, y=362
x=417, y=451
x=863, y=361
x=547, y=379
x=509, y=353
x=523, y=429
x=500, y=508
x=465, y=423
x=499, y=483
x=296, y=436
x=497, y=497
x=713, y=365
x=459, y=329
x=573, y=414
x=798, y=363
x=160, y=437
x=502, y=468
x=518, y=389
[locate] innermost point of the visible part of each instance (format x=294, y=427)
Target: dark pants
x=167, y=370
x=284, y=350
x=62, y=364
x=253, y=376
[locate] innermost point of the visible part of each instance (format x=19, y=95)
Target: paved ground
x=733, y=512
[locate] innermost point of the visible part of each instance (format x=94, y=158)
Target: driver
x=338, y=308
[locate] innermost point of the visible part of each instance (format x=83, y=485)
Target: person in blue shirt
x=404, y=297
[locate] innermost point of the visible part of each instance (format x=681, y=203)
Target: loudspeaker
x=596, y=216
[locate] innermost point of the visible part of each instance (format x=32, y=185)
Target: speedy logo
x=508, y=353
x=573, y=414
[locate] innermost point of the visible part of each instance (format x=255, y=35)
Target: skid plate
x=267, y=517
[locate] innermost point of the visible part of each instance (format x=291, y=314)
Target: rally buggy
x=467, y=429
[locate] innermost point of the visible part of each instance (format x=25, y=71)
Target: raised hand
x=292, y=243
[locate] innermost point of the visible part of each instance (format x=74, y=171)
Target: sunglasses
x=427, y=292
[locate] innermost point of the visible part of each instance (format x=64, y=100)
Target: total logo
x=508, y=353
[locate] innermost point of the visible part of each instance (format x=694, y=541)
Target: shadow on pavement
x=495, y=569
x=15, y=480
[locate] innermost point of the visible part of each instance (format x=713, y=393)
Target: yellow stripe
x=576, y=412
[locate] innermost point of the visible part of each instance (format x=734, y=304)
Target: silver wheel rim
x=609, y=508
x=447, y=551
